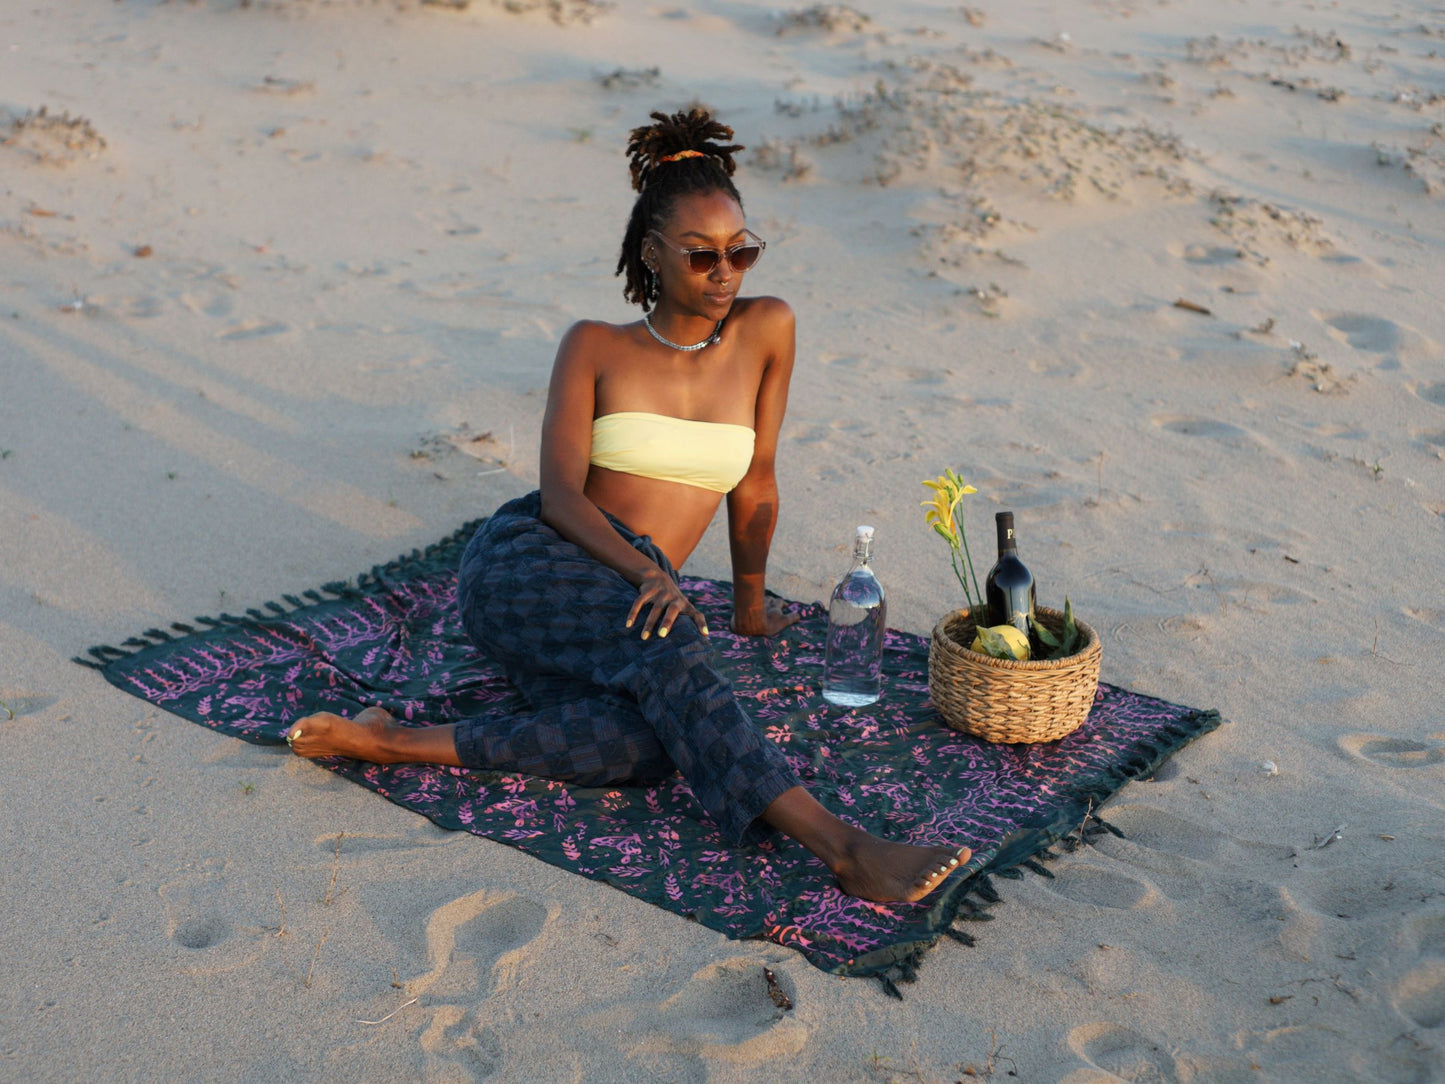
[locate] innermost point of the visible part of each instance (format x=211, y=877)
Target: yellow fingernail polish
x=662, y=632
x=644, y=635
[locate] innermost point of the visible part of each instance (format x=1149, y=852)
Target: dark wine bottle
x=1009, y=589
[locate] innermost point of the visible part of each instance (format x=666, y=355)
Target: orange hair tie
x=680, y=155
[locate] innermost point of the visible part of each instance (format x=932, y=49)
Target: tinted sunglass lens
x=702, y=260
x=744, y=256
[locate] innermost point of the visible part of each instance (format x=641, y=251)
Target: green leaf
x=1045, y=637
x=992, y=643
x=1071, y=637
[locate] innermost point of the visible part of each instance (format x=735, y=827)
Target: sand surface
x=263, y=266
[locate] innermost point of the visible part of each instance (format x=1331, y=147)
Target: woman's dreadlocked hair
x=660, y=183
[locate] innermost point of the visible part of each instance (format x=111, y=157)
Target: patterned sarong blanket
x=393, y=638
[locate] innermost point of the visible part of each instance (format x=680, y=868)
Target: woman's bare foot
x=866, y=866
x=875, y=869
x=373, y=735
x=328, y=735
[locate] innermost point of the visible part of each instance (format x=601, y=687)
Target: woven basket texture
x=1003, y=700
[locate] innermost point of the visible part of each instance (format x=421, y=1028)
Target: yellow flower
x=943, y=516
x=948, y=489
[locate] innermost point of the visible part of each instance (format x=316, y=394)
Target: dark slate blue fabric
x=607, y=706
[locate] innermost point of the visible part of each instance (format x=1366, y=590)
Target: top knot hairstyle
x=678, y=155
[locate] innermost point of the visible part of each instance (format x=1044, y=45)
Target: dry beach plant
x=827, y=17
x=56, y=140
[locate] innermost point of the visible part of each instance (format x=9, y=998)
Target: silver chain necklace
x=714, y=337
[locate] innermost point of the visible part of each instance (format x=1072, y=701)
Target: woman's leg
x=550, y=613
x=866, y=866
x=556, y=618
x=593, y=742
x=372, y=736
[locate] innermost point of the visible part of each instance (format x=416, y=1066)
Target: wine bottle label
x=1004, y=521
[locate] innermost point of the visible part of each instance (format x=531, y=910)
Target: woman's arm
x=566, y=458
x=753, y=504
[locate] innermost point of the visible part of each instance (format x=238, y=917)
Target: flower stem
x=967, y=597
x=969, y=559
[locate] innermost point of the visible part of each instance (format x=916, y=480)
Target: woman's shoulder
x=590, y=331
x=766, y=322
x=588, y=343
x=765, y=310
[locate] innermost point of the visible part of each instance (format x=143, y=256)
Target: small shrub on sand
x=827, y=17
x=51, y=139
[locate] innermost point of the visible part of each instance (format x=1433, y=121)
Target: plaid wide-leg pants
x=607, y=706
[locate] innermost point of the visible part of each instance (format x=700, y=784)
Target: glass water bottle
x=857, y=618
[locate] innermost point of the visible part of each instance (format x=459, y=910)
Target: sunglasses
x=700, y=261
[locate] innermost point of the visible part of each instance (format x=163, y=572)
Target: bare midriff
x=674, y=514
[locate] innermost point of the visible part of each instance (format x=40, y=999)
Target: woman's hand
x=668, y=603
x=773, y=620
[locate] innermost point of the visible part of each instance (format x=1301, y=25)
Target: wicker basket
x=1006, y=701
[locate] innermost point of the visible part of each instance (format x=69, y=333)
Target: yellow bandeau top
x=712, y=455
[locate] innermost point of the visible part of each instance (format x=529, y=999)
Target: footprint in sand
x=1264, y=593
x=1363, y=331
x=1124, y=1053
x=202, y=932
x=1420, y=993
x=1394, y=1059
x=925, y=378
x=252, y=329
x=14, y=705
x=458, y=1049
x=214, y=305
x=1221, y=432
x=1162, y=847
x=1394, y=752
x=1099, y=887
x=478, y=940
x=1425, y=934
x=1213, y=254
x=485, y=934
x=208, y=933
x=140, y=308
x=724, y=1013
x=1426, y=615
x=1377, y=335
x=1064, y=368
x=1160, y=831
x=1432, y=393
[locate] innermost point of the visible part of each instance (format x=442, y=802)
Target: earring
x=654, y=286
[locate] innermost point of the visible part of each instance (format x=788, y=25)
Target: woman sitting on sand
x=573, y=588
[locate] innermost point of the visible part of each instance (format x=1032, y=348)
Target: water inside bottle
x=857, y=616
